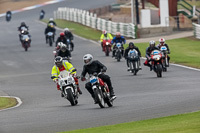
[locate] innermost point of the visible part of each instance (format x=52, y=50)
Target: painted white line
x=19, y=102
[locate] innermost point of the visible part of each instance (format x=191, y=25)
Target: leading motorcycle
x=68, y=87
x=101, y=90
x=156, y=62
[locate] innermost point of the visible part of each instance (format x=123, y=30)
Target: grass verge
x=183, y=123
x=184, y=51
x=6, y=102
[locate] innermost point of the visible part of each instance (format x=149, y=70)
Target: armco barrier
x=196, y=29
x=90, y=19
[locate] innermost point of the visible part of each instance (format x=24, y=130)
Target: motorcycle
x=133, y=58
x=8, y=17
x=107, y=46
x=41, y=15
x=165, y=62
x=118, y=53
x=26, y=41
x=50, y=38
x=68, y=87
x=69, y=46
x=156, y=62
x=101, y=91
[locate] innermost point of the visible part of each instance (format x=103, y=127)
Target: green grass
x=183, y=123
x=79, y=29
x=6, y=102
x=185, y=51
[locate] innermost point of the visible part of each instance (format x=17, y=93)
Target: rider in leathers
x=118, y=39
x=61, y=38
x=148, y=52
x=131, y=47
x=162, y=43
x=48, y=29
x=92, y=67
x=69, y=35
x=64, y=52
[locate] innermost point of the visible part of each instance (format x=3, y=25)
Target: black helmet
x=131, y=44
x=23, y=23
x=58, y=61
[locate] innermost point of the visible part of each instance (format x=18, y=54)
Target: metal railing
x=196, y=30
x=91, y=20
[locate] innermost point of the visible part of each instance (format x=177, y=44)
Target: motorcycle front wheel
x=70, y=97
x=99, y=97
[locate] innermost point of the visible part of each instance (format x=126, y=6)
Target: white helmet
x=51, y=19
x=63, y=47
x=66, y=29
x=87, y=59
x=161, y=40
x=60, y=44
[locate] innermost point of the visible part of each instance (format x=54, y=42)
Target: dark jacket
x=150, y=49
x=127, y=50
x=19, y=28
x=69, y=35
x=119, y=40
x=95, y=66
x=49, y=29
x=64, y=54
x=159, y=46
x=61, y=39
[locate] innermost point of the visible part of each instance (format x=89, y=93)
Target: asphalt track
x=27, y=75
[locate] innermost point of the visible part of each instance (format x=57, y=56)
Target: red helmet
x=62, y=34
x=104, y=32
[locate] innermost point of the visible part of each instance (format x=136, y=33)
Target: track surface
x=27, y=75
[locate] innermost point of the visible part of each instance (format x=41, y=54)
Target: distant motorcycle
x=156, y=62
x=69, y=45
x=101, y=91
x=41, y=15
x=118, y=53
x=68, y=87
x=165, y=62
x=8, y=16
x=107, y=46
x=50, y=38
x=133, y=58
x=26, y=41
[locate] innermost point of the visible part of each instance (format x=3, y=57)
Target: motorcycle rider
x=42, y=13
x=50, y=28
x=69, y=36
x=162, y=43
x=131, y=47
x=148, y=52
x=61, y=38
x=95, y=66
x=51, y=21
x=118, y=39
x=25, y=31
x=61, y=65
x=64, y=52
x=8, y=13
x=105, y=36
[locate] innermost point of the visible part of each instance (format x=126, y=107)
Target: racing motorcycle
x=101, y=91
x=118, y=53
x=41, y=15
x=107, y=46
x=50, y=38
x=156, y=62
x=69, y=46
x=26, y=41
x=68, y=87
x=133, y=58
x=165, y=62
x=8, y=17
